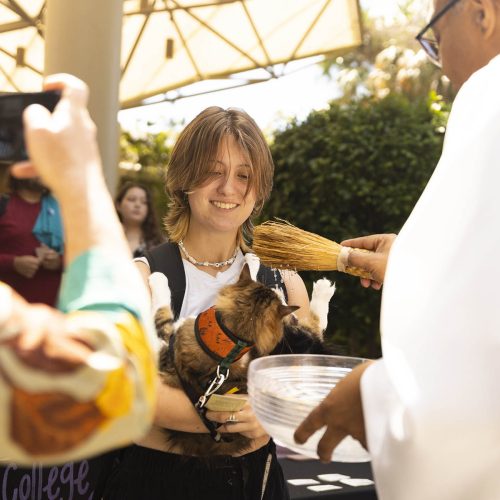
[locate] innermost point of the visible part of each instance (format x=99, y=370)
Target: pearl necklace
x=227, y=262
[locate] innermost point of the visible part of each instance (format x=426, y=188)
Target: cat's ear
x=286, y=310
x=245, y=274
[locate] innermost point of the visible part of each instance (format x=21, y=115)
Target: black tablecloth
x=309, y=469
x=82, y=480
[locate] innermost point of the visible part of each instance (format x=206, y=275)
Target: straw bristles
x=281, y=245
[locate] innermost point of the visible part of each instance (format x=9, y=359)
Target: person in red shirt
x=26, y=264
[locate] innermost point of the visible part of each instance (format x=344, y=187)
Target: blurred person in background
x=138, y=217
x=31, y=241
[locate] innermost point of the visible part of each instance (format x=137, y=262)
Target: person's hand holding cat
x=245, y=422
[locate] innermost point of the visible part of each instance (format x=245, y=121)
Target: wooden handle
x=343, y=259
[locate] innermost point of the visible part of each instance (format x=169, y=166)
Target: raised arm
x=93, y=361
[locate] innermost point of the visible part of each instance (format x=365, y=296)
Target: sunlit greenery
x=352, y=170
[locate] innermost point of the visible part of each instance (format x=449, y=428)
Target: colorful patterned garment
x=54, y=409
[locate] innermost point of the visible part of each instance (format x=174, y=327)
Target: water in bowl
x=284, y=389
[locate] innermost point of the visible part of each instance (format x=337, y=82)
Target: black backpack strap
x=166, y=258
x=4, y=199
x=271, y=278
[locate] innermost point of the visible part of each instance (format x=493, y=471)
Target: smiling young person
x=219, y=176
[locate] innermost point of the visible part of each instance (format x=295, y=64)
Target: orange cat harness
x=217, y=340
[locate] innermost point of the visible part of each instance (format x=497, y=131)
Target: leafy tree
x=352, y=170
x=145, y=150
x=390, y=59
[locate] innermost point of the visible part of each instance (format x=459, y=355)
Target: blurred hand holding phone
x=12, y=106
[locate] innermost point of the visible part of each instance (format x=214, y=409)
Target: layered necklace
x=227, y=262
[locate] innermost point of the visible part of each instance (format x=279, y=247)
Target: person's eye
x=215, y=173
x=244, y=176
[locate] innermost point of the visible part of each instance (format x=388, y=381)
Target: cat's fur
x=254, y=313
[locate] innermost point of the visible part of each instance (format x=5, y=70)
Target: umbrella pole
x=83, y=37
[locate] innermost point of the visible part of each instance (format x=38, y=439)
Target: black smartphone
x=12, y=105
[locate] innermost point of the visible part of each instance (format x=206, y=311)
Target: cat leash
x=225, y=347
x=197, y=401
x=213, y=387
x=220, y=344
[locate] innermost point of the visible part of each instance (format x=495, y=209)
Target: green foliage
x=390, y=59
x=354, y=170
x=148, y=150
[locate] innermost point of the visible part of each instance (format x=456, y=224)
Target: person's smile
x=225, y=205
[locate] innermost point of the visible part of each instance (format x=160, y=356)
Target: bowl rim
x=254, y=363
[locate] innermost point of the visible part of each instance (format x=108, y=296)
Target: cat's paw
x=160, y=291
x=253, y=264
x=323, y=291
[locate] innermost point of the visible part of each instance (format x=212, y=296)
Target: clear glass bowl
x=284, y=389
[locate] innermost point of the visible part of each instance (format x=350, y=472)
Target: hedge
x=353, y=170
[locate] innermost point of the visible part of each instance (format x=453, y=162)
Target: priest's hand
x=342, y=414
x=375, y=263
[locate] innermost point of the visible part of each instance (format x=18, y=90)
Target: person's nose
x=227, y=185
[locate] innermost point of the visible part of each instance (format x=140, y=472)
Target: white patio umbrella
x=166, y=44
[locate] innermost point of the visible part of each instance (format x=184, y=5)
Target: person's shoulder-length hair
x=150, y=227
x=198, y=145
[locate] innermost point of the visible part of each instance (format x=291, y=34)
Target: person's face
x=134, y=206
x=463, y=46
x=222, y=204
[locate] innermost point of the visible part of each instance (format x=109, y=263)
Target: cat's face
x=253, y=312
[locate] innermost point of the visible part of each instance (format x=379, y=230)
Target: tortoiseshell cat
x=249, y=309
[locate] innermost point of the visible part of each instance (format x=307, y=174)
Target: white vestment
x=432, y=405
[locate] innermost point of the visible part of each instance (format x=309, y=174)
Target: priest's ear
x=486, y=14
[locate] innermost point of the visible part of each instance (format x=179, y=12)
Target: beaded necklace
x=227, y=262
